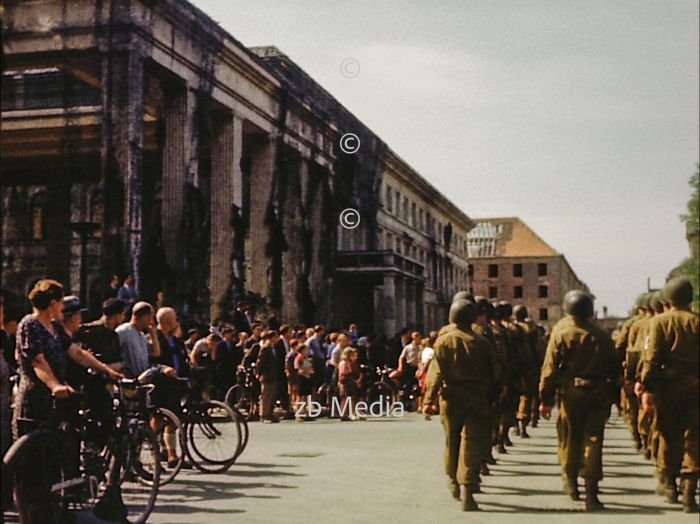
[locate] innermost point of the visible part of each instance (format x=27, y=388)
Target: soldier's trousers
x=580, y=426
x=678, y=415
x=525, y=401
x=644, y=422
x=467, y=433
x=633, y=415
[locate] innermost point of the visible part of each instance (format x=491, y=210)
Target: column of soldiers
x=486, y=367
x=659, y=346
x=490, y=373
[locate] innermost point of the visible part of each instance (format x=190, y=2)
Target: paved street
x=391, y=470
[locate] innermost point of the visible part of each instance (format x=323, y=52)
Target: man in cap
x=463, y=364
x=669, y=379
x=579, y=361
x=100, y=335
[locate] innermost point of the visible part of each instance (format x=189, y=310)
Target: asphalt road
x=390, y=469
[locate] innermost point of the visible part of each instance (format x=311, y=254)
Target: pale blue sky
x=581, y=117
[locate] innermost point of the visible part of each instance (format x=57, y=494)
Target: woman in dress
x=44, y=350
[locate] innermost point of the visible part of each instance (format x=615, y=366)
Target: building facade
x=509, y=262
x=140, y=138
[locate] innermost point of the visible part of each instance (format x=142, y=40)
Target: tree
x=690, y=267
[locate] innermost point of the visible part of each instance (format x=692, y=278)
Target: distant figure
x=127, y=293
x=113, y=288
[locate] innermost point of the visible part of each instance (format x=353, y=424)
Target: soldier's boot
x=467, y=499
x=690, y=483
x=671, y=490
x=485, y=471
x=454, y=488
x=661, y=486
x=491, y=460
x=571, y=488
x=523, y=429
x=506, y=438
x=592, y=501
x=516, y=429
x=501, y=448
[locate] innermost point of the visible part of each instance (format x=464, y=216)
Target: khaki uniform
x=671, y=373
x=621, y=343
x=632, y=359
x=644, y=418
x=530, y=378
x=580, y=359
x=464, y=367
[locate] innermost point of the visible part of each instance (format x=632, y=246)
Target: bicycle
x=243, y=396
x=66, y=468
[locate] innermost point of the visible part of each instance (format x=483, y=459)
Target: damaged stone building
x=139, y=137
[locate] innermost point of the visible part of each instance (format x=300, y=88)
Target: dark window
x=518, y=292
x=493, y=292
x=544, y=315
x=542, y=270
x=493, y=270
x=470, y=270
x=543, y=292
x=517, y=270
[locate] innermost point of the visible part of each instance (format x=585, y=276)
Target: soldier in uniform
x=621, y=343
x=669, y=380
x=580, y=360
x=530, y=369
x=645, y=416
x=518, y=357
x=482, y=326
x=632, y=354
x=464, y=367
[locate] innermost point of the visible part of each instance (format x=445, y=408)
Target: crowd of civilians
x=49, y=347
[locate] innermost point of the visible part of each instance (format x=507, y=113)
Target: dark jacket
x=267, y=364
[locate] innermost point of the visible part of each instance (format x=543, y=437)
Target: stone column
x=122, y=145
x=262, y=171
x=226, y=182
x=389, y=300
x=178, y=131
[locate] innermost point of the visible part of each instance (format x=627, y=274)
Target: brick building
x=509, y=261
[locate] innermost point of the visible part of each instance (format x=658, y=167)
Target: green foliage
x=691, y=269
x=691, y=219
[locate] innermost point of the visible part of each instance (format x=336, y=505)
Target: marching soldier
x=465, y=368
x=580, y=359
x=669, y=380
x=632, y=357
x=530, y=371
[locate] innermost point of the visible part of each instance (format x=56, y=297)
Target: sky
x=580, y=117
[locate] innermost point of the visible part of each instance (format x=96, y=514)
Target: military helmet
x=638, y=304
x=678, y=291
x=505, y=309
x=578, y=304
x=462, y=295
x=520, y=312
x=655, y=302
x=462, y=313
x=484, y=307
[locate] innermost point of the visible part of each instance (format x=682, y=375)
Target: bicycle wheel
x=213, y=437
x=139, y=459
x=166, y=419
x=245, y=432
x=241, y=399
x=36, y=468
